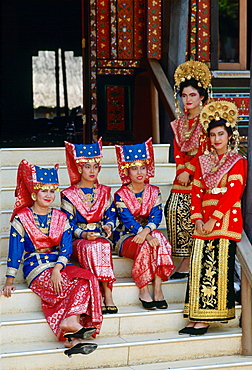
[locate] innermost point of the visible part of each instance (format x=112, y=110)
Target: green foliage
x=229, y=8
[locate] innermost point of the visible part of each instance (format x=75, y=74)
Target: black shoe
x=185, y=330
x=148, y=305
x=179, y=275
x=199, y=331
x=83, y=333
x=82, y=348
x=161, y=304
x=111, y=309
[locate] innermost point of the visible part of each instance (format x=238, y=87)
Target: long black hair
x=194, y=83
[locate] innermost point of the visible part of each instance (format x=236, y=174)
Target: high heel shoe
x=179, y=275
x=83, y=333
x=82, y=348
x=199, y=331
x=148, y=305
x=161, y=305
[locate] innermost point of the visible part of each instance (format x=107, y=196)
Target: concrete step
x=131, y=319
x=125, y=293
x=124, y=350
x=49, y=156
x=214, y=363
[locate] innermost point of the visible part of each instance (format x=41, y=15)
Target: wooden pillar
x=246, y=297
x=155, y=114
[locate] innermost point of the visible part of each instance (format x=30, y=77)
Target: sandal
x=111, y=309
x=83, y=333
x=82, y=348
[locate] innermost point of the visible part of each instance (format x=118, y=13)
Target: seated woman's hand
x=153, y=242
x=141, y=236
x=56, y=278
x=7, y=290
x=90, y=235
x=108, y=229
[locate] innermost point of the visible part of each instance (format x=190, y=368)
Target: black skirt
x=178, y=223
x=210, y=290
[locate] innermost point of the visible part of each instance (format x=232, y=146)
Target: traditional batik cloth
x=41, y=241
x=212, y=278
x=79, y=296
x=217, y=195
x=87, y=210
x=188, y=145
x=135, y=211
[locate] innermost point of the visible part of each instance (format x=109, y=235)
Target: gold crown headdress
x=188, y=70
x=221, y=109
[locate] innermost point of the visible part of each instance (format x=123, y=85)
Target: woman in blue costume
x=91, y=213
x=139, y=209
x=41, y=237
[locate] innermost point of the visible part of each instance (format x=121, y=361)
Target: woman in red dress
x=42, y=237
x=91, y=213
x=192, y=80
x=139, y=209
x=218, y=185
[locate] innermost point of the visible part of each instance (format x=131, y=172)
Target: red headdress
x=30, y=179
x=133, y=155
x=78, y=154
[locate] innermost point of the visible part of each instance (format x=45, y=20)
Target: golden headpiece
x=193, y=69
x=221, y=109
x=188, y=70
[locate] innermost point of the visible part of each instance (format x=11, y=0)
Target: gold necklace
x=43, y=223
x=219, y=164
x=139, y=199
x=188, y=131
x=88, y=198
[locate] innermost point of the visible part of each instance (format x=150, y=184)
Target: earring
x=34, y=196
x=201, y=105
x=229, y=146
x=79, y=169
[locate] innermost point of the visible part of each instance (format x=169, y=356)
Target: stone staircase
x=134, y=338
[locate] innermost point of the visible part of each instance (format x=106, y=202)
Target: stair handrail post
x=244, y=253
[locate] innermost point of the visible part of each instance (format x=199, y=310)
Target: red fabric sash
x=178, y=127
x=97, y=209
x=38, y=238
x=206, y=164
x=150, y=195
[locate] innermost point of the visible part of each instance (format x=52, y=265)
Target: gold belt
x=217, y=190
x=90, y=226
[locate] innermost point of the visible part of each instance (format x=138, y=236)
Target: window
x=232, y=34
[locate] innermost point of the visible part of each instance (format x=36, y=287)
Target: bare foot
x=70, y=324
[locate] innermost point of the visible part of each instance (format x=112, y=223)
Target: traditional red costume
x=88, y=210
x=216, y=195
x=139, y=210
x=43, y=241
